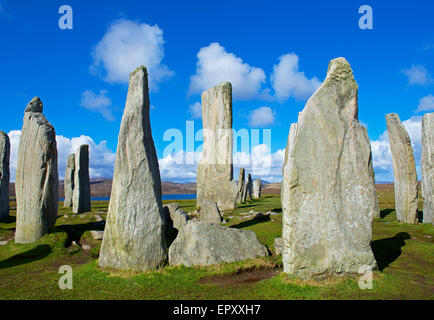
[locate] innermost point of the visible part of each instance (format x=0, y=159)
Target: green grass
x=405, y=255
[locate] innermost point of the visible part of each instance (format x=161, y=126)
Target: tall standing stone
x=404, y=170
x=69, y=181
x=328, y=194
x=257, y=186
x=5, y=148
x=248, y=188
x=134, y=236
x=81, y=193
x=36, y=181
x=215, y=169
x=427, y=164
x=241, y=182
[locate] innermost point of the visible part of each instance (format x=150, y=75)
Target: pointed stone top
x=339, y=69
x=394, y=116
x=142, y=67
x=35, y=105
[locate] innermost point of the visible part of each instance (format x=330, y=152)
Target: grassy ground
x=405, y=255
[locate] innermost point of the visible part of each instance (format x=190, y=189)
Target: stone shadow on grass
x=37, y=253
x=385, y=212
x=251, y=222
x=388, y=250
x=75, y=231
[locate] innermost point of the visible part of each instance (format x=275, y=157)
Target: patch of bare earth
x=241, y=277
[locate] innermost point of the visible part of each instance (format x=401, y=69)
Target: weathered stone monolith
x=241, y=183
x=134, y=236
x=36, y=181
x=328, y=194
x=427, y=164
x=215, y=169
x=248, y=188
x=81, y=194
x=257, y=187
x=404, y=170
x=5, y=147
x=69, y=180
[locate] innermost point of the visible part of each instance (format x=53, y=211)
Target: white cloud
x=382, y=158
x=417, y=75
x=101, y=158
x=426, y=103
x=287, y=81
x=195, y=110
x=97, y=102
x=261, y=117
x=215, y=65
x=180, y=167
x=127, y=45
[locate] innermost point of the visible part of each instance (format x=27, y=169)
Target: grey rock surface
x=134, y=235
x=257, y=188
x=427, y=166
x=215, y=169
x=278, y=245
x=97, y=234
x=5, y=149
x=36, y=180
x=209, y=212
x=81, y=193
x=204, y=244
x=175, y=216
x=328, y=193
x=241, y=183
x=69, y=181
x=404, y=170
x=247, y=194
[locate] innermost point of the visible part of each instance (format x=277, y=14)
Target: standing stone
x=134, y=236
x=36, y=181
x=328, y=195
x=81, y=194
x=404, y=170
x=241, y=182
x=248, y=188
x=257, y=186
x=5, y=147
x=69, y=181
x=427, y=164
x=209, y=212
x=215, y=170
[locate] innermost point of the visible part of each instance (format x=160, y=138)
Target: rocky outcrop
x=257, y=187
x=5, y=148
x=81, y=193
x=134, y=236
x=427, y=166
x=328, y=194
x=209, y=212
x=204, y=244
x=69, y=181
x=215, y=170
x=404, y=170
x=241, y=183
x=36, y=181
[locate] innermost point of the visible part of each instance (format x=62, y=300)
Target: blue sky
x=274, y=53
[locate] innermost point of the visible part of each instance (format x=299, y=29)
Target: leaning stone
x=404, y=170
x=257, y=186
x=81, y=194
x=204, y=244
x=209, y=212
x=134, y=236
x=328, y=193
x=215, y=169
x=36, y=181
x=69, y=181
x=97, y=234
x=5, y=148
x=427, y=166
x=241, y=182
x=278, y=245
